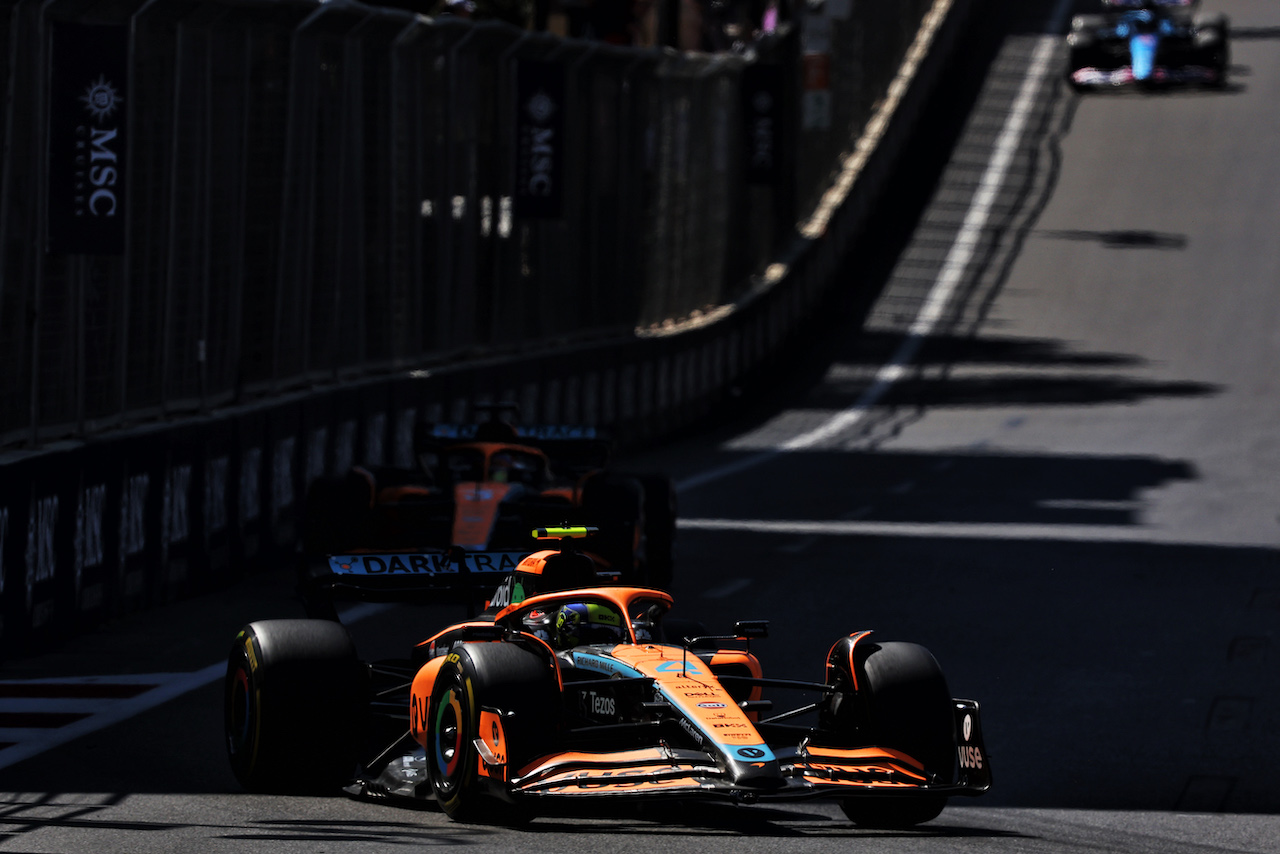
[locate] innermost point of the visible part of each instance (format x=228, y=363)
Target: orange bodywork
x=693, y=689
x=420, y=699
x=477, y=510
x=397, y=494
x=725, y=735
x=491, y=754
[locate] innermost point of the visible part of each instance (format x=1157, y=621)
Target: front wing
x=805, y=771
x=1101, y=77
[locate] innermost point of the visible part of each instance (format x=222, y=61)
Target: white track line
x=939, y=530
x=113, y=712
x=171, y=685
x=944, y=286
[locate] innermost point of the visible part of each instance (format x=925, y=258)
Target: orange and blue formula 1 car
x=460, y=521
x=574, y=694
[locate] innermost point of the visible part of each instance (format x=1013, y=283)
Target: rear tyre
x=1211, y=44
x=502, y=676
x=1087, y=23
x=902, y=703
x=295, y=697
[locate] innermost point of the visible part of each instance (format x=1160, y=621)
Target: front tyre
x=501, y=676
x=295, y=696
x=902, y=703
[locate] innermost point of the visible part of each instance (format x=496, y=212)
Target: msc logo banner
x=88, y=135
x=540, y=106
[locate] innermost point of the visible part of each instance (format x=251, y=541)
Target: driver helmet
x=500, y=468
x=582, y=623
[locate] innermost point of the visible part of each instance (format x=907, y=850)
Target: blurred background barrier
x=249, y=242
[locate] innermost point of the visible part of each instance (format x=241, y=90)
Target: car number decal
x=673, y=666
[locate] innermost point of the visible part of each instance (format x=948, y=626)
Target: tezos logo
x=599, y=704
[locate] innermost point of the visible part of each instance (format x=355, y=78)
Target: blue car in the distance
x=1148, y=42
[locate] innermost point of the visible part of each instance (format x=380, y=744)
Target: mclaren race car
x=383, y=533
x=561, y=693
x=1148, y=42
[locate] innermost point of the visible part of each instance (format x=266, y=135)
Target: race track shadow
x=665, y=818
x=1126, y=239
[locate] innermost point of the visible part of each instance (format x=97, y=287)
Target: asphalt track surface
x=1070, y=492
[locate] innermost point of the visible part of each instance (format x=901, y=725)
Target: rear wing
x=423, y=576
x=571, y=448
x=410, y=577
x=529, y=432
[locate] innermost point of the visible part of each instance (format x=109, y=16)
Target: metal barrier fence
x=130, y=519
x=206, y=202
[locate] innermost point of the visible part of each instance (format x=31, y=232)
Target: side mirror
x=743, y=630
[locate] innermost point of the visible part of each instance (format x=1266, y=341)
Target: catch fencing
x=270, y=195
x=331, y=234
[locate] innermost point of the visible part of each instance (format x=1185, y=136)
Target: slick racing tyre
x=903, y=703
x=1083, y=53
x=1087, y=23
x=1211, y=34
x=294, y=705
x=499, y=676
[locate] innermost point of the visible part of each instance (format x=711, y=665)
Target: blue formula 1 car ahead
x=1150, y=43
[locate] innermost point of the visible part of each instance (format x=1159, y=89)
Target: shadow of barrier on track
x=1121, y=664
x=1144, y=658
x=1151, y=674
